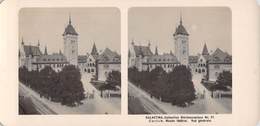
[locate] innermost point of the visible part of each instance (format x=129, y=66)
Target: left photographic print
x=69, y=61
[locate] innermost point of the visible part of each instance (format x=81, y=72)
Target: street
x=28, y=98
x=144, y=99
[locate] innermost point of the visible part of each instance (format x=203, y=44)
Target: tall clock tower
x=181, y=38
x=70, y=38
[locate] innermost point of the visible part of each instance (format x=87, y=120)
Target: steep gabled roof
x=32, y=50
x=220, y=57
x=108, y=56
x=142, y=50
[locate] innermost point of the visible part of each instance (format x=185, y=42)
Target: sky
x=210, y=25
x=99, y=25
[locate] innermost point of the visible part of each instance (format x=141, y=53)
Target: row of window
x=114, y=59
x=200, y=70
x=162, y=59
x=54, y=59
x=91, y=64
x=202, y=65
x=89, y=70
x=163, y=65
x=52, y=65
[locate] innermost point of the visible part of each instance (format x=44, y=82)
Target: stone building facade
x=97, y=65
x=209, y=65
x=108, y=61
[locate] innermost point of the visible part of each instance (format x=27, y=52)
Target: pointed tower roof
x=205, y=50
x=45, y=51
x=69, y=30
x=156, y=51
x=94, y=51
x=22, y=41
x=180, y=30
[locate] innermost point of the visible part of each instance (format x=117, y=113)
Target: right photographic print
x=179, y=60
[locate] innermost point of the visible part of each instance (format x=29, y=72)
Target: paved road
x=29, y=102
x=102, y=105
x=144, y=99
x=213, y=106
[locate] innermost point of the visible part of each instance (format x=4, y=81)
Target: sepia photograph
x=179, y=60
x=69, y=61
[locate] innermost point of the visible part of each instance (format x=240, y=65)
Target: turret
x=45, y=51
x=181, y=38
x=156, y=51
x=70, y=38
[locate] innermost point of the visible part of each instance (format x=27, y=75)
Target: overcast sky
x=205, y=25
x=99, y=25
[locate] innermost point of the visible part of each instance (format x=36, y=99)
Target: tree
x=23, y=74
x=114, y=78
x=133, y=75
x=224, y=80
x=71, y=86
x=156, y=80
x=179, y=88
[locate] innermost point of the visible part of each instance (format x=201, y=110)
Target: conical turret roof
x=180, y=30
x=69, y=30
x=205, y=50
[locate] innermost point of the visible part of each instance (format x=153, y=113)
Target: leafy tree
x=181, y=88
x=65, y=87
x=175, y=87
x=133, y=75
x=156, y=81
x=114, y=78
x=224, y=81
x=23, y=71
x=71, y=86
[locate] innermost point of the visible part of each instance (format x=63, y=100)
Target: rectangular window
x=216, y=66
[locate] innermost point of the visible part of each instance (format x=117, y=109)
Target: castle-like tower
x=70, y=38
x=181, y=38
